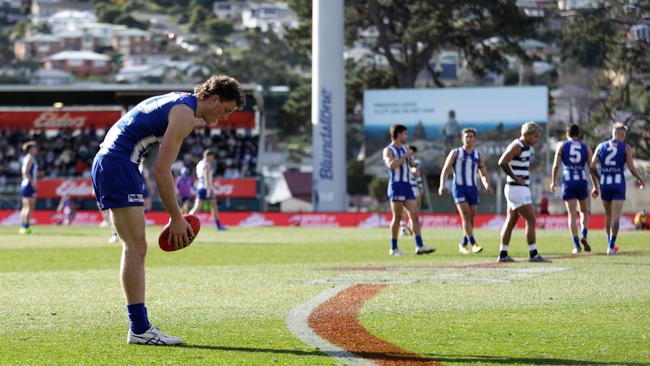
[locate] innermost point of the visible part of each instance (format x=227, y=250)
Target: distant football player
x=573, y=155
x=184, y=184
x=400, y=194
x=417, y=185
x=205, y=190
x=515, y=162
x=613, y=155
x=466, y=163
x=28, y=185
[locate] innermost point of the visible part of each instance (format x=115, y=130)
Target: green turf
x=229, y=293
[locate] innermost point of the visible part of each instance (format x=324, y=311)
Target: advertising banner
x=436, y=117
x=50, y=118
x=314, y=220
x=83, y=188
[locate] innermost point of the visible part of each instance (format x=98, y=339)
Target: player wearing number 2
x=573, y=154
x=613, y=155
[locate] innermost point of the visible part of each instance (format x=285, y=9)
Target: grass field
x=228, y=295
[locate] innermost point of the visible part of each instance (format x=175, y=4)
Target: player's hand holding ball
x=178, y=234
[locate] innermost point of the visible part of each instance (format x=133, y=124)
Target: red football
x=194, y=222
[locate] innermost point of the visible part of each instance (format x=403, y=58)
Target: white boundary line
x=298, y=323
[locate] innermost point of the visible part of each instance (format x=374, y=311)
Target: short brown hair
x=469, y=130
x=28, y=145
x=396, y=129
x=224, y=86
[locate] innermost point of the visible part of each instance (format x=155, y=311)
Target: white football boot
x=154, y=337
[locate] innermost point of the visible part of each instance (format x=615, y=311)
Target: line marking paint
x=336, y=320
x=298, y=323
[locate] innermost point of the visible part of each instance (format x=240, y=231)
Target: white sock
x=503, y=247
x=532, y=247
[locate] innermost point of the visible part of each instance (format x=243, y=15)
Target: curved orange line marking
x=336, y=321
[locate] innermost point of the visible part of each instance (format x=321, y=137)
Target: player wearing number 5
x=573, y=155
x=613, y=155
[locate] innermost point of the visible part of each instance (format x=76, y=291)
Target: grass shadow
x=527, y=360
x=363, y=355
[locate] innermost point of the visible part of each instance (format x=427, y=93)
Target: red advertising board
x=83, y=188
x=44, y=118
x=332, y=220
x=47, y=118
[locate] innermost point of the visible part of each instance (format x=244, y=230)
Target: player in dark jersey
x=167, y=119
x=613, y=155
x=573, y=155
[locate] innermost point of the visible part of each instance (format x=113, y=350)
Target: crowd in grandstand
x=70, y=153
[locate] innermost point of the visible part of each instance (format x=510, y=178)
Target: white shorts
x=517, y=196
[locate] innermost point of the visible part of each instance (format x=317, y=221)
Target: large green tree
x=602, y=39
x=410, y=31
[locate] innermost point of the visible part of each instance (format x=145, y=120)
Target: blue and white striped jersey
x=574, y=158
x=32, y=173
x=466, y=168
x=138, y=130
x=203, y=182
x=612, y=157
x=403, y=172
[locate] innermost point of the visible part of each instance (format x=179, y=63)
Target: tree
x=601, y=38
x=199, y=15
x=295, y=114
x=130, y=21
x=377, y=189
x=107, y=12
x=217, y=29
x=410, y=31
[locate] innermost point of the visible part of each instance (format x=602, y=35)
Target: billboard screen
x=435, y=117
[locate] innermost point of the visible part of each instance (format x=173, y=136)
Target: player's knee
x=135, y=251
x=531, y=221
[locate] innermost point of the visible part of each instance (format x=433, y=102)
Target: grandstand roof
x=81, y=94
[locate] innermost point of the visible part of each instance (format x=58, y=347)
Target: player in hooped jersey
x=515, y=162
x=167, y=119
x=28, y=186
x=417, y=185
x=397, y=158
x=466, y=162
x=613, y=155
x=573, y=155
